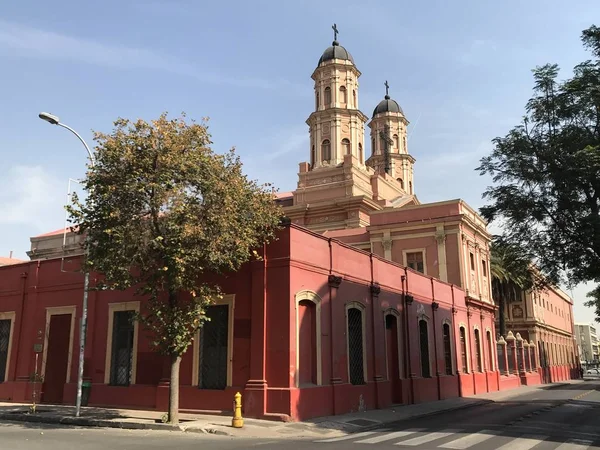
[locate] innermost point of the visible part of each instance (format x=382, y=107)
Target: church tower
x=389, y=150
x=337, y=126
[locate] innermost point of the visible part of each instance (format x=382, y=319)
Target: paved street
x=564, y=418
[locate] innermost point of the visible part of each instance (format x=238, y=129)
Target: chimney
x=10, y=255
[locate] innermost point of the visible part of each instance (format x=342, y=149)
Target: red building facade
x=316, y=328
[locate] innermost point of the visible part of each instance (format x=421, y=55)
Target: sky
x=460, y=70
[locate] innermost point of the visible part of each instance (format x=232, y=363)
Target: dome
x=387, y=105
x=336, y=51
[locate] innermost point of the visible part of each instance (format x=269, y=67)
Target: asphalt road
x=564, y=418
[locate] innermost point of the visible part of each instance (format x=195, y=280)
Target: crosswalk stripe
x=427, y=438
x=389, y=436
x=348, y=436
x=523, y=443
x=574, y=444
x=469, y=440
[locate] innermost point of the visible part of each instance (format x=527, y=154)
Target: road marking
x=427, y=438
x=523, y=443
x=389, y=436
x=469, y=440
x=348, y=436
x=575, y=444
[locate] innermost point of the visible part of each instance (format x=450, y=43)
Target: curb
x=100, y=423
x=420, y=416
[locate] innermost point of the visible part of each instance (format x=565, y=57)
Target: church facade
x=367, y=299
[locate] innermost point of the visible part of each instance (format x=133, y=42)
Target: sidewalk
x=331, y=426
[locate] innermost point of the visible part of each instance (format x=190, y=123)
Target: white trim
x=55, y=311
x=415, y=250
x=228, y=300
x=393, y=312
x=118, y=307
x=452, y=349
x=363, y=311
x=8, y=315
x=311, y=297
x=424, y=318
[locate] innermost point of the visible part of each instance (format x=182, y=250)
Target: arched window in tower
x=318, y=99
x=396, y=142
x=327, y=97
x=373, y=146
x=326, y=150
x=404, y=144
x=343, y=95
x=354, y=98
x=346, y=146
x=360, y=154
x=312, y=157
x=410, y=187
x=401, y=181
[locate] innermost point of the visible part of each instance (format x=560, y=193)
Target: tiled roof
x=55, y=232
x=8, y=261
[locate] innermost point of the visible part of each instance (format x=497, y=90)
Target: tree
x=163, y=211
x=546, y=172
x=512, y=274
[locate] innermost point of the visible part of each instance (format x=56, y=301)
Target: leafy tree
x=512, y=274
x=162, y=211
x=546, y=172
x=594, y=301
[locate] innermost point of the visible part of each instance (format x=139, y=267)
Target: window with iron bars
x=424, y=343
x=355, y=346
x=447, y=349
x=214, y=343
x=463, y=349
x=478, y=350
x=4, y=338
x=122, y=348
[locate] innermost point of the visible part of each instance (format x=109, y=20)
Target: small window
x=424, y=344
x=373, y=146
x=4, y=339
x=355, y=346
x=401, y=182
x=404, y=141
x=312, y=157
x=354, y=97
x=346, y=146
x=318, y=101
x=360, y=154
x=414, y=260
x=122, y=348
x=327, y=97
x=447, y=349
x=396, y=142
x=410, y=187
x=478, y=351
x=484, y=267
x=343, y=95
x=326, y=150
x=472, y=258
x=463, y=349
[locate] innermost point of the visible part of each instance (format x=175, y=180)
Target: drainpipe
x=455, y=347
x=21, y=312
x=407, y=336
x=331, y=336
x=434, y=307
x=374, y=296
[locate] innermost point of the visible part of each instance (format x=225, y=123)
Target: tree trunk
x=174, y=390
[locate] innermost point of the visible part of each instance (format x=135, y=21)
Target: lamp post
x=54, y=120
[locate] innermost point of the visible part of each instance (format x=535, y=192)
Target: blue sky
x=460, y=70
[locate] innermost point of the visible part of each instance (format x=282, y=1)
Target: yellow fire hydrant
x=238, y=420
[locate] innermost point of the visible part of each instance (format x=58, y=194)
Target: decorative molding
x=440, y=237
x=334, y=281
x=387, y=244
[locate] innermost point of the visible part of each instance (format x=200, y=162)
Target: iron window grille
x=4, y=338
x=447, y=349
x=355, y=346
x=214, y=343
x=478, y=350
x=424, y=343
x=463, y=349
x=122, y=348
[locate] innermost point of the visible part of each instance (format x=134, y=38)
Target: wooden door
x=57, y=358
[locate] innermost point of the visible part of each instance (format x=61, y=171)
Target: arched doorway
x=393, y=357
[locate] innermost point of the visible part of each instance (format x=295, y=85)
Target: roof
x=336, y=51
x=387, y=105
x=282, y=195
x=56, y=232
x=9, y=261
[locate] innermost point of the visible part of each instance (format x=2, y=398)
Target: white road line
x=469, y=440
x=427, y=438
x=389, y=436
x=575, y=444
x=348, y=436
x=523, y=443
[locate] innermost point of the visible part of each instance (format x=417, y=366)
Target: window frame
x=464, y=361
x=311, y=296
x=447, y=323
x=396, y=314
x=56, y=311
x=228, y=300
x=363, y=310
x=424, y=319
x=421, y=250
x=121, y=307
x=8, y=315
x=326, y=96
x=346, y=146
x=324, y=143
x=479, y=367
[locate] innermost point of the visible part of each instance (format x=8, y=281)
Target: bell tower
x=336, y=124
x=389, y=150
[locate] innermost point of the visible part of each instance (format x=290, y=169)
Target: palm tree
x=512, y=274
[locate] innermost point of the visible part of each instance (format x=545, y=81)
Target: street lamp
x=54, y=120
